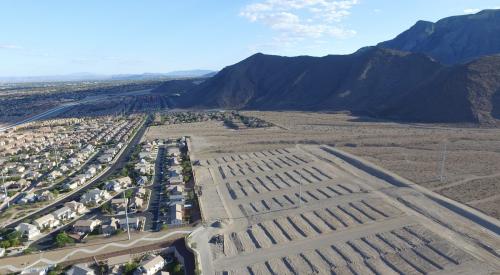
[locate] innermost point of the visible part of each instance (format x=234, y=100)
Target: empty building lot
x=287, y=200
x=302, y=210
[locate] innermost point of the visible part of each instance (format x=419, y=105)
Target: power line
x=443, y=160
x=126, y=215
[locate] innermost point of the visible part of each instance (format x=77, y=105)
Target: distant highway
x=65, y=106
x=40, y=116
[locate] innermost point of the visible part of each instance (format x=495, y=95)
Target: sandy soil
x=412, y=151
x=287, y=209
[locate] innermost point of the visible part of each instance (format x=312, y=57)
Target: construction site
x=317, y=209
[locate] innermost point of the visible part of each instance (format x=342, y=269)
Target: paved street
x=117, y=165
x=153, y=214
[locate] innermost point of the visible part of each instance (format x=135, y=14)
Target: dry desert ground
x=322, y=194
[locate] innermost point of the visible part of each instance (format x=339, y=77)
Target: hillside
x=452, y=40
x=373, y=81
x=434, y=72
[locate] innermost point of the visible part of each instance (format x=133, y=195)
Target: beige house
x=176, y=214
x=77, y=207
x=136, y=202
x=86, y=226
x=47, y=221
x=150, y=266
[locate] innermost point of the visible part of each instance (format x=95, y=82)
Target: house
x=77, y=207
x=80, y=269
x=133, y=223
x=136, y=202
x=124, y=181
x=73, y=162
x=55, y=174
x=174, y=161
x=174, y=171
x=110, y=227
x=114, y=263
x=90, y=172
x=151, y=265
x=173, y=151
x=94, y=197
x=119, y=205
x=70, y=185
x=175, y=190
x=46, y=196
x=86, y=226
x=81, y=178
x=111, y=151
x=113, y=186
x=105, y=158
x=143, y=180
x=64, y=213
x=145, y=155
x=28, y=198
x=34, y=271
x=64, y=168
x=28, y=230
x=47, y=221
x=141, y=192
x=176, y=180
x=144, y=168
x=176, y=214
x=118, y=184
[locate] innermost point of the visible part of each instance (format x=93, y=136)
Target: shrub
x=62, y=239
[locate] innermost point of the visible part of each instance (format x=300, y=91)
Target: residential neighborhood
x=43, y=161
x=153, y=191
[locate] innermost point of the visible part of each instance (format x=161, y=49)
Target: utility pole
x=126, y=216
x=5, y=190
x=442, y=177
x=56, y=156
x=300, y=194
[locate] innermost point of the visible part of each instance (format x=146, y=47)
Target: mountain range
x=446, y=71
x=103, y=77
x=452, y=40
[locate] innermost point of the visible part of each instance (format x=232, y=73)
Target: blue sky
x=48, y=37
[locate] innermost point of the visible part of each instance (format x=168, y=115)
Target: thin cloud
x=296, y=20
x=471, y=10
x=476, y=10
x=10, y=47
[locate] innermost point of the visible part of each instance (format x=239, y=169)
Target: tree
x=28, y=251
x=175, y=268
x=106, y=208
x=129, y=193
x=62, y=239
x=129, y=268
x=5, y=244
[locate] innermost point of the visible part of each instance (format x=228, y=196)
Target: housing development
x=226, y=192
x=350, y=158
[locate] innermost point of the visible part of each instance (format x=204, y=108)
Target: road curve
x=119, y=163
x=92, y=251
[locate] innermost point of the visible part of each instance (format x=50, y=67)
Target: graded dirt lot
x=413, y=151
x=289, y=202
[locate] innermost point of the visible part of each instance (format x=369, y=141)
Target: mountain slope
x=469, y=92
x=373, y=81
x=304, y=82
x=434, y=72
x=452, y=40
